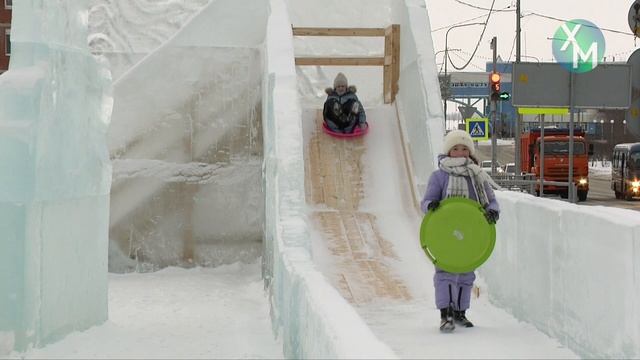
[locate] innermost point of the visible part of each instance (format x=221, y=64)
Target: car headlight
x=582, y=181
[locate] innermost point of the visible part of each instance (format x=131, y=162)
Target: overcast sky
x=611, y=15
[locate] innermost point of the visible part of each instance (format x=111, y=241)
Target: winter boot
x=446, y=320
x=460, y=319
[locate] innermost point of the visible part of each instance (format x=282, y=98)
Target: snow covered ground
x=224, y=312
x=600, y=169
x=175, y=313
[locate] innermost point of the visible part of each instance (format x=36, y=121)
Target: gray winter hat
x=340, y=80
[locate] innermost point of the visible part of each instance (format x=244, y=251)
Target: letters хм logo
x=578, y=45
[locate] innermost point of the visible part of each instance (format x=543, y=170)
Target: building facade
x=5, y=34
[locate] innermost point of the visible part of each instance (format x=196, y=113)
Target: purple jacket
x=437, y=189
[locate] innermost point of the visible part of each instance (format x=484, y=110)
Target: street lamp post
x=611, y=121
x=624, y=127
x=446, y=61
x=601, y=129
x=445, y=81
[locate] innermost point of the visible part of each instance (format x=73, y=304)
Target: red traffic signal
x=494, y=85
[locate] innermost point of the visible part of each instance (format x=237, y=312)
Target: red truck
x=556, y=159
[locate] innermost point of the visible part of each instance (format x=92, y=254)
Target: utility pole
x=494, y=107
x=516, y=135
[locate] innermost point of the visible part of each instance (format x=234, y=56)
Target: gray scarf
x=460, y=168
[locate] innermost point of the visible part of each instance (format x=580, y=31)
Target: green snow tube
x=456, y=236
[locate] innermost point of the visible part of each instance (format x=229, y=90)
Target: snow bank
x=570, y=270
x=316, y=322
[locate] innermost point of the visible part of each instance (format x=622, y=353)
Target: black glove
x=492, y=216
x=433, y=205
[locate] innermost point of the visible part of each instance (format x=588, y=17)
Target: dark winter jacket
x=348, y=97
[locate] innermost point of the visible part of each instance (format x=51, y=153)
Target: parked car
x=510, y=170
x=486, y=166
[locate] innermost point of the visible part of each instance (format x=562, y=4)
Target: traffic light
x=504, y=96
x=494, y=86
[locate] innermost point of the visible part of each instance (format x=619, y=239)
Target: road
x=600, y=192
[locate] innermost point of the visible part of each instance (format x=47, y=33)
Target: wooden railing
x=390, y=61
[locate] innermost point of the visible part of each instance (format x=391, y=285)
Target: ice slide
x=365, y=228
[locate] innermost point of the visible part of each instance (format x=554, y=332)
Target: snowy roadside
x=176, y=313
x=600, y=170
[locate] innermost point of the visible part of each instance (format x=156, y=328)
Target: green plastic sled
x=456, y=236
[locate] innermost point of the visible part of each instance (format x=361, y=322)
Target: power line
x=464, y=21
x=477, y=45
x=458, y=23
x=474, y=65
x=513, y=45
x=477, y=55
x=565, y=20
x=481, y=8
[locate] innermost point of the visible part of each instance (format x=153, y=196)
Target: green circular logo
x=578, y=45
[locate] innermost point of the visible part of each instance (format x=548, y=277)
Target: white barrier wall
x=315, y=321
x=572, y=271
x=419, y=102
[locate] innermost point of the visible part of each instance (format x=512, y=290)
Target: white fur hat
x=455, y=137
x=340, y=80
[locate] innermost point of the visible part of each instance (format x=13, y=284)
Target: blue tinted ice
x=55, y=177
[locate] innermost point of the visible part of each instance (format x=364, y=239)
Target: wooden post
x=386, y=72
x=395, y=66
x=391, y=73
x=187, y=193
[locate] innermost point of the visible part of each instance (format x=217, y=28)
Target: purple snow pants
x=453, y=288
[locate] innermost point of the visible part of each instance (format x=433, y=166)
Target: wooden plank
x=338, y=61
x=387, y=72
x=395, y=63
x=318, y=31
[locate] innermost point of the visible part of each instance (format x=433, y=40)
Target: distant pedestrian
x=458, y=175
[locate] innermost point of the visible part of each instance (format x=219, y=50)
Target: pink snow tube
x=357, y=132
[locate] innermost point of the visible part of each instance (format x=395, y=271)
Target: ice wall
x=572, y=271
x=125, y=31
x=55, y=177
x=419, y=102
x=314, y=320
x=186, y=139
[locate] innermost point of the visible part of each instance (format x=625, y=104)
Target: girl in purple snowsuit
x=458, y=175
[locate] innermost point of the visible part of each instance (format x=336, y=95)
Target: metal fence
x=526, y=183
x=522, y=183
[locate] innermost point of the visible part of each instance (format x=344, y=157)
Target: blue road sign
x=478, y=128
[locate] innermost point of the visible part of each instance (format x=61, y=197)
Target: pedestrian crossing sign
x=478, y=128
